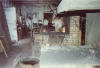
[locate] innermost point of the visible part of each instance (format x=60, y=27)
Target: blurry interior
x=59, y=33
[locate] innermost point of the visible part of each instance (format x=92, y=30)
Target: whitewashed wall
x=11, y=21
x=36, y=11
x=93, y=28
x=71, y=5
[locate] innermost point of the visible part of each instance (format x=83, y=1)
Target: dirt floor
x=19, y=50
x=50, y=55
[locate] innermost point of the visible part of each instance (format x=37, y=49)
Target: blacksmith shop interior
x=49, y=33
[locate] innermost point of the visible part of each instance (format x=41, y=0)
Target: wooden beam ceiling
x=53, y=2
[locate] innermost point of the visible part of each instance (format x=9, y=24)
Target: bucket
x=25, y=63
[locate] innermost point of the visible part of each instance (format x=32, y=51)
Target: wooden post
x=3, y=48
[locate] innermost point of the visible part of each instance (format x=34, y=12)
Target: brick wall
x=73, y=38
